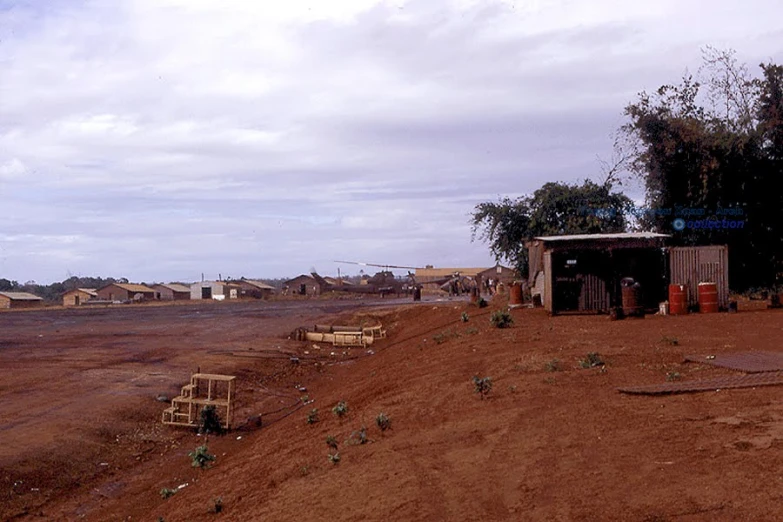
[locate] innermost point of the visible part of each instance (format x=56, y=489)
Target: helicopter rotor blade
x=379, y=266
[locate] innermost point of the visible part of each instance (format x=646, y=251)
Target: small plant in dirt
x=482, y=385
x=501, y=319
x=331, y=441
x=671, y=341
x=209, y=421
x=305, y=399
x=673, y=376
x=217, y=505
x=312, y=417
x=201, y=457
x=383, y=421
x=340, y=409
x=358, y=437
x=471, y=331
x=334, y=458
x=482, y=303
x=591, y=361
x=464, y=317
x=167, y=493
x=445, y=335
x=304, y=470
x=553, y=366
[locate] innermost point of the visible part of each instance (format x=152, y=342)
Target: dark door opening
x=206, y=292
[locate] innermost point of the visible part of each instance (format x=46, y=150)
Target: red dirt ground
x=80, y=437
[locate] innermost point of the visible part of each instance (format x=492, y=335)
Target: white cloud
x=159, y=126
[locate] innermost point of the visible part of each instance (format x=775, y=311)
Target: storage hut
x=255, y=289
x=583, y=273
x=19, y=300
x=126, y=292
x=302, y=285
x=171, y=292
x=79, y=296
x=217, y=290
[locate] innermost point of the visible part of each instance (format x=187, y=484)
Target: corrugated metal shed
x=701, y=264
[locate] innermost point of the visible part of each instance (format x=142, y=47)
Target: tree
x=712, y=152
x=554, y=209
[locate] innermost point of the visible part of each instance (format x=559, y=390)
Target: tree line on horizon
x=712, y=144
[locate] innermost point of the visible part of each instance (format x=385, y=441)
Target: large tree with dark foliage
x=554, y=209
x=713, y=150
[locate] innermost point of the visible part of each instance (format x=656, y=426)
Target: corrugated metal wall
x=701, y=264
x=594, y=296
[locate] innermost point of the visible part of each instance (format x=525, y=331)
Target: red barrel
x=515, y=295
x=678, y=299
x=708, y=298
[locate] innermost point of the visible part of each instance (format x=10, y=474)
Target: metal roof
x=90, y=291
x=258, y=284
x=130, y=287
x=175, y=287
x=588, y=237
x=21, y=296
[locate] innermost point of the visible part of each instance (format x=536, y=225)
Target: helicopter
x=385, y=283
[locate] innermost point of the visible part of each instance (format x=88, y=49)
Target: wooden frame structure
x=185, y=409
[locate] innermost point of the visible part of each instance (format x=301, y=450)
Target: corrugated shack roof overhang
x=601, y=241
x=21, y=296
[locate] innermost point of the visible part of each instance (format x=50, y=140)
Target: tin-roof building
x=585, y=272
x=255, y=289
x=19, y=300
x=79, y=296
x=126, y=292
x=171, y=292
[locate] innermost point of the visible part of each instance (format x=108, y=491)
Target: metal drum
x=515, y=295
x=678, y=299
x=632, y=300
x=708, y=298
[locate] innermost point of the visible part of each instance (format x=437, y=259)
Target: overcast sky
x=162, y=139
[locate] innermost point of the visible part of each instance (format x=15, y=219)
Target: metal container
x=708, y=297
x=515, y=295
x=678, y=299
x=632, y=300
x=693, y=264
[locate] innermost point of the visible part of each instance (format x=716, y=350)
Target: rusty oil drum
x=678, y=299
x=515, y=295
x=708, y=298
x=632, y=301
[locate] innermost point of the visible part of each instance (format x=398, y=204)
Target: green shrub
x=673, y=376
x=358, y=437
x=501, y=319
x=209, y=421
x=331, y=441
x=312, y=417
x=591, y=361
x=553, y=366
x=341, y=409
x=464, y=317
x=482, y=303
x=217, y=505
x=167, y=493
x=334, y=458
x=383, y=421
x=482, y=386
x=201, y=457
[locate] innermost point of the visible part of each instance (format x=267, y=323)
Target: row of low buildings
x=127, y=292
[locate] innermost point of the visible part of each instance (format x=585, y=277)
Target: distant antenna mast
x=202, y=277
